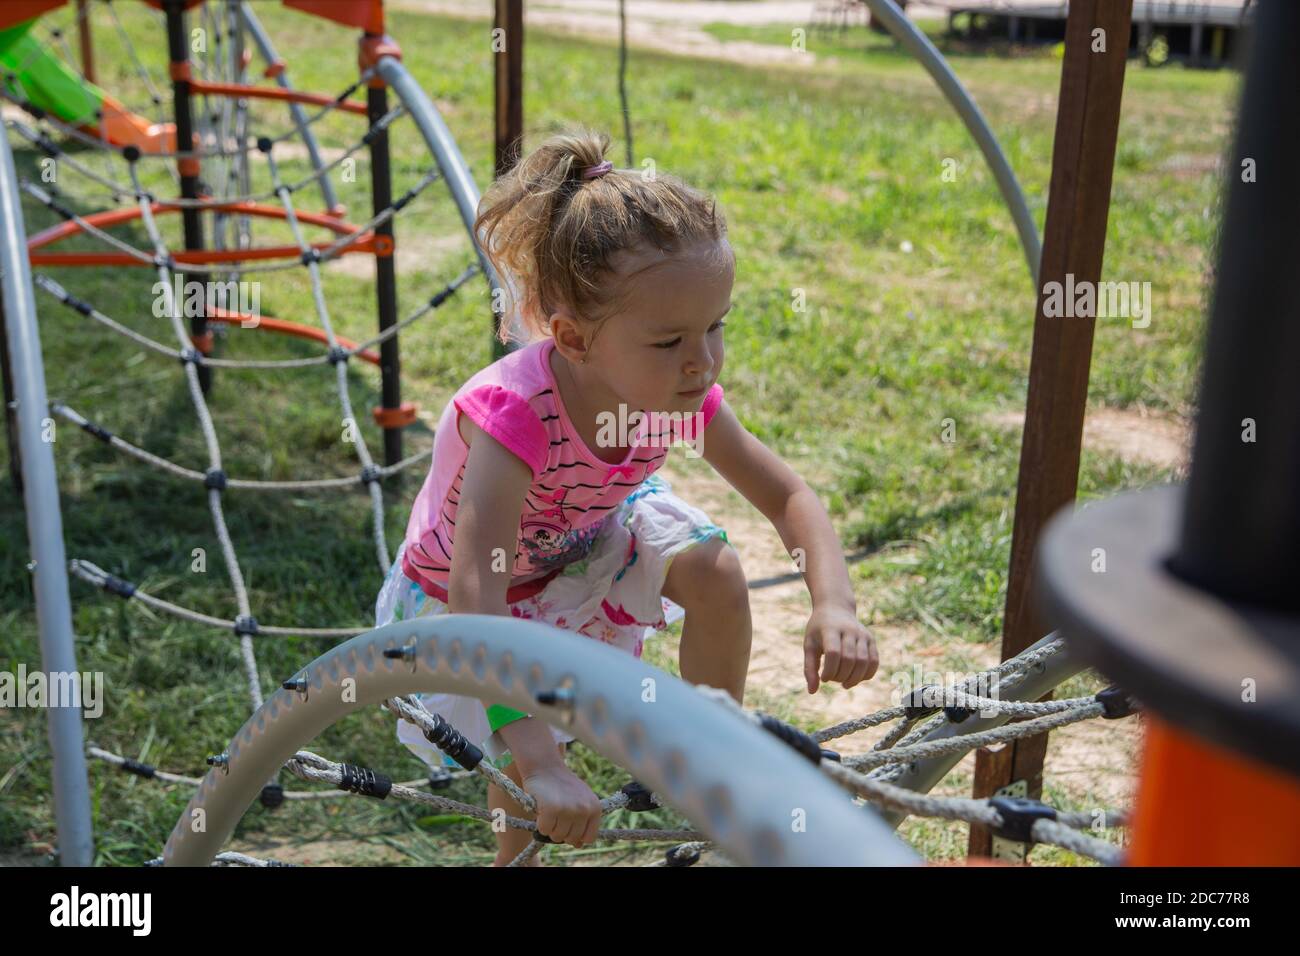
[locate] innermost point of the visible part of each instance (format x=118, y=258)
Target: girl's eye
x=715, y=327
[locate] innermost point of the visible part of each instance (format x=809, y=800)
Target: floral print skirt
x=613, y=595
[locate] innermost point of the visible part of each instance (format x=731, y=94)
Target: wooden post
x=87, y=44
x=1083, y=159
x=508, y=64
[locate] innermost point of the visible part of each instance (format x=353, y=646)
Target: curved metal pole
x=443, y=146
x=263, y=43
x=44, y=522
x=747, y=790
x=919, y=45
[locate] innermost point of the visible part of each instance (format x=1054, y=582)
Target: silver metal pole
x=443, y=146
x=264, y=46
x=44, y=522
x=919, y=45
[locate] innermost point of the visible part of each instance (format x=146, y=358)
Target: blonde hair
x=554, y=233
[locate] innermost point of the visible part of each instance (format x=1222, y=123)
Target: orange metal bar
x=368, y=15
x=285, y=327
x=275, y=93
x=1200, y=805
x=192, y=256
x=113, y=217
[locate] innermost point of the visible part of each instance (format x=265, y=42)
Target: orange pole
x=1200, y=805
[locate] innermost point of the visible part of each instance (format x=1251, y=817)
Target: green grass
x=824, y=170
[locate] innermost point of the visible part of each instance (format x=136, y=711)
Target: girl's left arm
x=770, y=485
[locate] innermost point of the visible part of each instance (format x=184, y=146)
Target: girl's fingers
x=831, y=661
x=861, y=660
x=810, y=662
x=873, y=653
x=592, y=829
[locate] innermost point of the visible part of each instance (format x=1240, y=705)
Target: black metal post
x=1241, y=523
x=11, y=413
x=381, y=192
x=178, y=54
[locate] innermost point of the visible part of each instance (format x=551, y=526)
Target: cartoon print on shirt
x=549, y=545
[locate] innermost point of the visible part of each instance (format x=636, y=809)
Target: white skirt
x=614, y=595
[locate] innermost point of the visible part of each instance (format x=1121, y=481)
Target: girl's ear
x=569, y=340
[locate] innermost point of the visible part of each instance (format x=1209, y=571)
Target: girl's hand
x=567, y=809
x=849, y=648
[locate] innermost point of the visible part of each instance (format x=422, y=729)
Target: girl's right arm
x=483, y=558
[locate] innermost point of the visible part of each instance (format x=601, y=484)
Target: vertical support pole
x=179, y=57
x=87, y=43
x=508, y=65
x=1198, y=40
x=1083, y=159
x=48, y=565
x=381, y=197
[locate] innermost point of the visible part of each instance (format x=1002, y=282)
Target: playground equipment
x=714, y=781
x=1197, y=609
x=211, y=163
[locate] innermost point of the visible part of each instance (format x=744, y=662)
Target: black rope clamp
x=115, y=585
x=338, y=353
x=1116, y=703
x=915, y=704
x=99, y=431
x=191, y=354
x=215, y=478
x=439, y=778
x=79, y=305
x=310, y=255
x=453, y=743
x=371, y=473
x=1018, y=815
x=166, y=261
x=682, y=856
x=131, y=153
x=366, y=782
x=441, y=297
x=639, y=797
x=957, y=714
x=264, y=143
x=138, y=768
x=246, y=625
x=272, y=796
x=540, y=837
x=793, y=736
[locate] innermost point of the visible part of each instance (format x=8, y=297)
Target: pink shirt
x=516, y=401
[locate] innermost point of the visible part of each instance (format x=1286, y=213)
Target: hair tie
x=593, y=172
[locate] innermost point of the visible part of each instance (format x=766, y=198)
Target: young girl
x=542, y=501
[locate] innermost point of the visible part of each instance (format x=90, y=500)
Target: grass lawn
x=873, y=301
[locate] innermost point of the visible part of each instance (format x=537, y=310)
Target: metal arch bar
x=44, y=522
x=738, y=784
x=264, y=46
x=443, y=146
x=919, y=45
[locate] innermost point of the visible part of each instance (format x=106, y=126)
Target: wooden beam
x=1074, y=238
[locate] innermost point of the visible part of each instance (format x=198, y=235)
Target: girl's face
x=662, y=351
